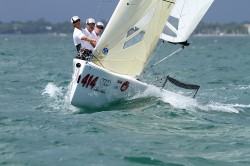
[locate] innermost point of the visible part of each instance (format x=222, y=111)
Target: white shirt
x=78, y=34
x=95, y=35
x=86, y=44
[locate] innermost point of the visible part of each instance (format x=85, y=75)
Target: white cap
x=90, y=20
x=99, y=24
x=74, y=19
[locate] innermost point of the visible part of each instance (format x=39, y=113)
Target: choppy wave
x=188, y=103
x=243, y=87
x=52, y=90
x=37, y=120
x=59, y=100
x=174, y=99
x=213, y=106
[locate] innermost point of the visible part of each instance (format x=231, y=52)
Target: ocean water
x=38, y=126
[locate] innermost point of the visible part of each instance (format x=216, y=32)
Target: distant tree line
x=42, y=26
x=217, y=29
x=37, y=27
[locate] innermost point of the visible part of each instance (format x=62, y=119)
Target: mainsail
x=131, y=35
x=183, y=19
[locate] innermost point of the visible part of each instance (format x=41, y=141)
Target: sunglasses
x=78, y=20
x=99, y=27
x=91, y=24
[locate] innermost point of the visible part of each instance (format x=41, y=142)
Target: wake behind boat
x=126, y=46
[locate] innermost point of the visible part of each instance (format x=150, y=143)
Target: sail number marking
x=89, y=81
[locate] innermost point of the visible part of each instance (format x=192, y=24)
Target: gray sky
x=222, y=11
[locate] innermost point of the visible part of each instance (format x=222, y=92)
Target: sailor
x=83, y=40
x=98, y=30
x=88, y=31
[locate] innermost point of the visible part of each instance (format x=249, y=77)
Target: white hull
x=93, y=86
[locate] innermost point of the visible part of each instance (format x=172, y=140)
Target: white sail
x=131, y=35
x=184, y=18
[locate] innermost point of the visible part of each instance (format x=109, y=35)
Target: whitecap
x=174, y=99
x=52, y=90
x=183, y=102
x=213, y=106
x=59, y=98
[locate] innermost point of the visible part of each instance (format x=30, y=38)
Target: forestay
x=131, y=35
x=184, y=18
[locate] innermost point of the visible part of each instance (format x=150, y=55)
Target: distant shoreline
x=70, y=34
x=221, y=35
x=41, y=26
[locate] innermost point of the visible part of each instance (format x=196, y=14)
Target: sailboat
x=126, y=45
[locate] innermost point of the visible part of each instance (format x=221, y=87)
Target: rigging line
x=152, y=56
x=152, y=69
x=169, y=56
x=156, y=50
x=169, y=1
x=154, y=74
x=98, y=60
x=157, y=80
